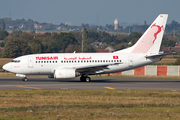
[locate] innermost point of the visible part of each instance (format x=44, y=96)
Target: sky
x=97, y=12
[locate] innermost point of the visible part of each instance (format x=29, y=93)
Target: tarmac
x=97, y=83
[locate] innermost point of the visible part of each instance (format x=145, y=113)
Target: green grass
x=163, y=63
x=138, y=76
x=89, y=104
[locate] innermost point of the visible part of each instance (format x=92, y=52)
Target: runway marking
x=110, y=88
x=28, y=87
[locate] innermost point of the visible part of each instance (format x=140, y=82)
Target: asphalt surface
x=97, y=83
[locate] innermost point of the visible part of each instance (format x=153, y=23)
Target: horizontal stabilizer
x=159, y=55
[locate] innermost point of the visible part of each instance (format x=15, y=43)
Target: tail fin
x=150, y=41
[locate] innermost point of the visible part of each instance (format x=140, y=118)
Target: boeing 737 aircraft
x=71, y=65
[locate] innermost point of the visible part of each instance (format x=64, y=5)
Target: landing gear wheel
x=82, y=79
x=25, y=79
x=88, y=79
x=85, y=79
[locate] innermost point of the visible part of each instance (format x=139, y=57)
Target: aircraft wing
x=91, y=68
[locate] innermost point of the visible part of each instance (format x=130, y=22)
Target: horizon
x=97, y=12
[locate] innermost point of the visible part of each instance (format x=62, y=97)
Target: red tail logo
x=148, y=40
x=159, y=30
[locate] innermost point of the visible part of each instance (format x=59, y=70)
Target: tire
x=87, y=79
x=82, y=79
x=25, y=79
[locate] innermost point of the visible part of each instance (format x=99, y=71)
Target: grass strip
x=89, y=104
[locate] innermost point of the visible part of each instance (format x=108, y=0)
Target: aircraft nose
x=6, y=67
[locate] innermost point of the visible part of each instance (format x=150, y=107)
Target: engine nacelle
x=64, y=73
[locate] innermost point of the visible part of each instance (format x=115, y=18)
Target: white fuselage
x=45, y=64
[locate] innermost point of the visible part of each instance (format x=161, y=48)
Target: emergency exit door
x=30, y=62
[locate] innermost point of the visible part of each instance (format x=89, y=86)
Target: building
x=116, y=24
x=171, y=49
x=110, y=49
x=67, y=23
x=101, y=51
x=37, y=26
x=97, y=44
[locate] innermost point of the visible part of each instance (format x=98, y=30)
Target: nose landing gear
x=25, y=79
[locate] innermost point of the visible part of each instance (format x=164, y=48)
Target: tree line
x=22, y=24
x=22, y=43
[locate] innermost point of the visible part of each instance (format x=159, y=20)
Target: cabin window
x=103, y=60
x=47, y=61
x=50, y=61
x=56, y=61
x=111, y=60
x=69, y=61
x=114, y=60
x=39, y=61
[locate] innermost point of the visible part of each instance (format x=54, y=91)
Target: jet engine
x=64, y=73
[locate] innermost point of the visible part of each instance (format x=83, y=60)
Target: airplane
x=70, y=65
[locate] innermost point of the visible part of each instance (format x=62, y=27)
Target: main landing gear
x=25, y=79
x=85, y=78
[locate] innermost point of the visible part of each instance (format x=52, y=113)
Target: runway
x=97, y=83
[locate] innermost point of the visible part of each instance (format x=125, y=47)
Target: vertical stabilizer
x=150, y=41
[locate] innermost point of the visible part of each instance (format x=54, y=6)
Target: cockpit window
x=15, y=61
